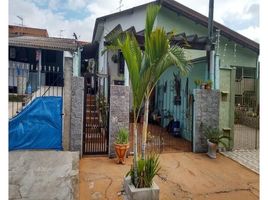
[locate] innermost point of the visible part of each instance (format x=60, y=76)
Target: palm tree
x=159, y=55
x=146, y=67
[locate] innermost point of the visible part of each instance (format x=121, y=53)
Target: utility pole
x=211, y=44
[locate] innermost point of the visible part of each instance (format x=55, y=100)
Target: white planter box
x=133, y=193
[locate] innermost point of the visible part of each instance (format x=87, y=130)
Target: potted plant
x=197, y=83
x=114, y=58
x=121, y=145
x=208, y=85
x=146, y=170
x=215, y=137
x=203, y=85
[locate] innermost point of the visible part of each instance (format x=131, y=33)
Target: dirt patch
x=182, y=176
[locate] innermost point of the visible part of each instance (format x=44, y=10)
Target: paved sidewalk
x=247, y=158
x=182, y=176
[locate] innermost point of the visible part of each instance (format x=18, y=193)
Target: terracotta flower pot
x=212, y=149
x=121, y=152
x=208, y=87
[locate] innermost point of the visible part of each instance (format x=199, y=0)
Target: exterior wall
x=244, y=57
x=236, y=56
x=119, y=113
x=171, y=21
x=230, y=55
x=165, y=100
x=68, y=65
x=206, y=111
x=137, y=19
x=113, y=68
x=77, y=112
x=227, y=88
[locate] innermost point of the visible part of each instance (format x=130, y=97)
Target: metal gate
x=96, y=110
x=246, y=130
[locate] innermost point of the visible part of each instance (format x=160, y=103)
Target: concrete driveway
x=43, y=175
x=182, y=176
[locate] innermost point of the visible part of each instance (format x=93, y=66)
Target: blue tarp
x=38, y=126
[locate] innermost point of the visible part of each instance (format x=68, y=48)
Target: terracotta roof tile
x=63, y=44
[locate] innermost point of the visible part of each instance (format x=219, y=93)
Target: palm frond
x=151, y=13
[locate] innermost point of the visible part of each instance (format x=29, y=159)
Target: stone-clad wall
x=68, y=65
x=119, y=113
x=206, y=110
x=77, y=112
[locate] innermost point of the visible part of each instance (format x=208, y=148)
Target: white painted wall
x=135, y=18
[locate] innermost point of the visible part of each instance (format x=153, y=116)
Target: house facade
x=234, y=71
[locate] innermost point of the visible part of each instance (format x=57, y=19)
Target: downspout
x=217, y=62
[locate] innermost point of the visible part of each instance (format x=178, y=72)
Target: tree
x=159, y=55
x=146, y=67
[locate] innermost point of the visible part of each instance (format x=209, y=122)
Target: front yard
x=182, y=176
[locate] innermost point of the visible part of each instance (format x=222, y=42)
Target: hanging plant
x=115, y=58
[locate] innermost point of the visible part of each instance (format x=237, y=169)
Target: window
x=12, y=53
x=238, y=74
x=249, y=72
x=121, y=63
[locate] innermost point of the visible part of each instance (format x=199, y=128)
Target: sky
x=64, y=17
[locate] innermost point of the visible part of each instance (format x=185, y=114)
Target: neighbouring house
x=234, y=70
x=38, y=67
x=23, y=30
x=45, y=52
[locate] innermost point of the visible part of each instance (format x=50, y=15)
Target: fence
x=246, y=130
x=159, y=140
x=26, y=82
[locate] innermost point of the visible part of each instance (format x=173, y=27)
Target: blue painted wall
x=164, y=100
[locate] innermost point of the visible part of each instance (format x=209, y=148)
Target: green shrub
x=122, y=136
x=215, y=135
x=146, y=171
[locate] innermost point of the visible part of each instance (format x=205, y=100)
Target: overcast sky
x=67, y=16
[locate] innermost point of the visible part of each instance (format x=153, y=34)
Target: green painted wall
x=229, y=56
x=165, y=100
x=235, y=56
x=227, y=76
x=172, y=21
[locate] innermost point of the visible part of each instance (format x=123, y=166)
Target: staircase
x=95, y=140
x=92, y=118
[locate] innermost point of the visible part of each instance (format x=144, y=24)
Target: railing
x=246, y=92
x=26, y=82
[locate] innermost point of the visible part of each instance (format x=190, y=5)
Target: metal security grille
x=26, y=82
x=246, y=130
x=95, y=137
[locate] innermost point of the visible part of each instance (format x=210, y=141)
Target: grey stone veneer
x=68, y=65
x=206, y=110
x=77, y=112
x=119, y=113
